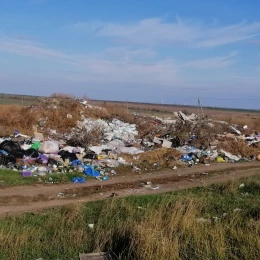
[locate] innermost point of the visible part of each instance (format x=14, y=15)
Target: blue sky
x=146, y=50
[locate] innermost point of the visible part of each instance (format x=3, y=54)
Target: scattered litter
x=78, y=180
x=96, y=147
x=91, y=226
x=147, y=184
x=94, y=256
x=220, y=159
x=61, y=195
x=229, y=155
x=184, y=117
x=27, y=173
x=214, y=219
x=49, y=147
x=235, y=130
x=203, y=220
x=113, y=195
x=242, y=185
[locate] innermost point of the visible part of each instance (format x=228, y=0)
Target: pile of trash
x=186, y=140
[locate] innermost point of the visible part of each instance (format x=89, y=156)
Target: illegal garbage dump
x=92, y=140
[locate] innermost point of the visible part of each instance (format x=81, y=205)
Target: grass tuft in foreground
x=218, y=222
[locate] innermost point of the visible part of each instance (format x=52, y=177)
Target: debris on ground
x=72, y=136
x=113, y=195
x=94, y=256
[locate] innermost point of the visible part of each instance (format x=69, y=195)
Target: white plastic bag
x=49, y=147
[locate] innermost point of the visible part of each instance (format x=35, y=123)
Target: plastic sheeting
x=112, y=130
x=230, y=156
x=49, y=147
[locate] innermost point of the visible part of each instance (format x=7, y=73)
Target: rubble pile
x=97, y=146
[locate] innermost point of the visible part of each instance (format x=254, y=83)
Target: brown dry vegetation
x=181, y=225
x=170, y=108
x=16, y=117
x=164, y=156
x=52, y=113
x=86, y=138
x=238, y=147
x=251, y=120
x=120, y=112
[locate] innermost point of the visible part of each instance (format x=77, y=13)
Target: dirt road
x=33, y=198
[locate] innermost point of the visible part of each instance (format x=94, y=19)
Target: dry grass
x=60, y=112
x=238, y=147
x=16, y=117
x=51, y=114
x=252, y=121
x=56, y=112
x=164, y=156
x=87, y=138
x=120, y=112
x=145, y=227
x=160, y=236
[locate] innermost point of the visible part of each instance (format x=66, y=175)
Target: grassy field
x=26, y=100
x=21, y=102
x=218, y=222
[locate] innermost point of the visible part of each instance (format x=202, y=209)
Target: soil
x=14, y=200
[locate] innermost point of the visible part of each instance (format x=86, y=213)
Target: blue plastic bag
x=79, y=180
x=76, y=162
x=186, y=157
x=91, y=172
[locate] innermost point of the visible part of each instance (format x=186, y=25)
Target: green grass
x=145, y=227
x=14, y=178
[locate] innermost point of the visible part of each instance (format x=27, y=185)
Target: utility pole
x=200, y=110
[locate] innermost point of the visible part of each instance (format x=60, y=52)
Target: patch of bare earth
x=33, y=198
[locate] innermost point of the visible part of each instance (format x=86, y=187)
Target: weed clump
x=87, y=138
x=238, y=147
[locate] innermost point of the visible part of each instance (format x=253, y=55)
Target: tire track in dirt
x=13, y=200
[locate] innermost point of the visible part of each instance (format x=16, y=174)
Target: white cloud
x=161, y=72
x=211, y=63
x=121, y=64
x=30, y=49
x=229, y=34
x=127, y=53
x=156, y=31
